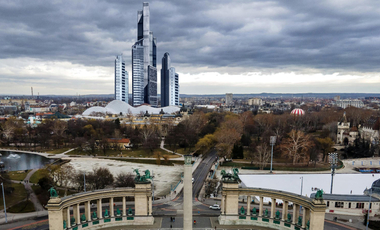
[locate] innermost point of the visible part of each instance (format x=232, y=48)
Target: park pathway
x=167, y=150
x=28, y=188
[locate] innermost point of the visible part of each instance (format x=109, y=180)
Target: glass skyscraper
x=121, y=80
x=169, y=83
x=144, y=72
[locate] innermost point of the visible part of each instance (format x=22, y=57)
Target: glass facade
x=144, y=61
x=121, y=80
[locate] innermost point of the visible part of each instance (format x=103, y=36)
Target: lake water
x=14, y=161
x=343, y=183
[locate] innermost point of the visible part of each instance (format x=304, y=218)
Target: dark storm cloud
x=290, y=35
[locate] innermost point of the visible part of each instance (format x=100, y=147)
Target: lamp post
x=369, y=208
x=333, y=160
x=272, y=142
x=301, y=184
x=84, y=181
x=5, y=207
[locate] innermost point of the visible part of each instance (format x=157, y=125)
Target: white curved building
x=121, y=107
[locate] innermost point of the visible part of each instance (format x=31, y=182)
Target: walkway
x=167, y=150
x=37, y=206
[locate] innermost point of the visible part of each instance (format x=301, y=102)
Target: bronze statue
x=83, y=218
x=242, y=211
x=319, y=195
x=53, y=192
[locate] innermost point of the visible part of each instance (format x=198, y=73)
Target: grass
x=18, y=175
x=11, y=199
x=181, y=151
x=22, y=207
x=143, y=153
x=57, y=151
x=37, y=176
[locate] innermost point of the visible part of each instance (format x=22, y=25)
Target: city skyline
x=237, y=47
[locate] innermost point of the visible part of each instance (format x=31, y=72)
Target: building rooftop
x=345, y=197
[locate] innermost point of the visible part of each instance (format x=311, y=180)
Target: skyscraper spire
x=144, y=72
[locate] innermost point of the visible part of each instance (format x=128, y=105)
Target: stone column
x=111, y=207
x=307, y=215
x=295, y=211
x=88, y=210
x=261, y=206
x=100, y=211
x=303, y=217
x=124, y=207
x=55, y=214
x=248, y=205
x=150, y=206
x=273, y=208
x=77, y=216
x=68, y=216
x=187, y=194
x=141, y=201
x=317, y=220
x=284, y=210
x=223, y=205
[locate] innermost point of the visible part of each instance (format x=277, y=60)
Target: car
x=215, y=207
x=192, y=180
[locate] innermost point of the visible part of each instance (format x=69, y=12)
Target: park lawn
x=11, y=199
x=37, y=176
x=58, y=151
x=143, y=153
x=181, y=151
x=22, y=207
x=18, y=175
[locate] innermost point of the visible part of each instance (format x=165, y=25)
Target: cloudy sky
x=217, y=46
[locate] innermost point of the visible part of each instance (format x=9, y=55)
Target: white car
x=215, y=207
x=192, y=180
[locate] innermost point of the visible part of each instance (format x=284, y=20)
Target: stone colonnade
x=313, y=211
x=59, y=208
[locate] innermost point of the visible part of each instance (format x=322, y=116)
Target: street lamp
x=369, y=208
x=301, y=184
x=272, y=142
x=84, y=181
x=333, y=160
x=5, y=207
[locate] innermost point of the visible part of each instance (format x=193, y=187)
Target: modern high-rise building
x=169, y=83
x=144, y=72
x=121, y=80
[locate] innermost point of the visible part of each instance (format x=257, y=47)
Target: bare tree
x=262, y=155
x=297, y=145
x=124, y=180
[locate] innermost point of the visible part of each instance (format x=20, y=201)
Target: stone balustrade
x=60, y=208
x=313, y=211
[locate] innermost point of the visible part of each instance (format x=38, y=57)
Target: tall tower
x=144, y=72
x=169, y=83
x=121, y=80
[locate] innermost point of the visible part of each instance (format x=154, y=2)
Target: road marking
x=26, y=225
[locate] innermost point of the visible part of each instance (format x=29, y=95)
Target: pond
x=15, y=161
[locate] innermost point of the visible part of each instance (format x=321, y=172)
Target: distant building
x=229, y=99
x=255, y=101
x=144, y=72
x=169, y=83
x=336, y=98
x=346, y=103
x=343, y=130
x=121, y=80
